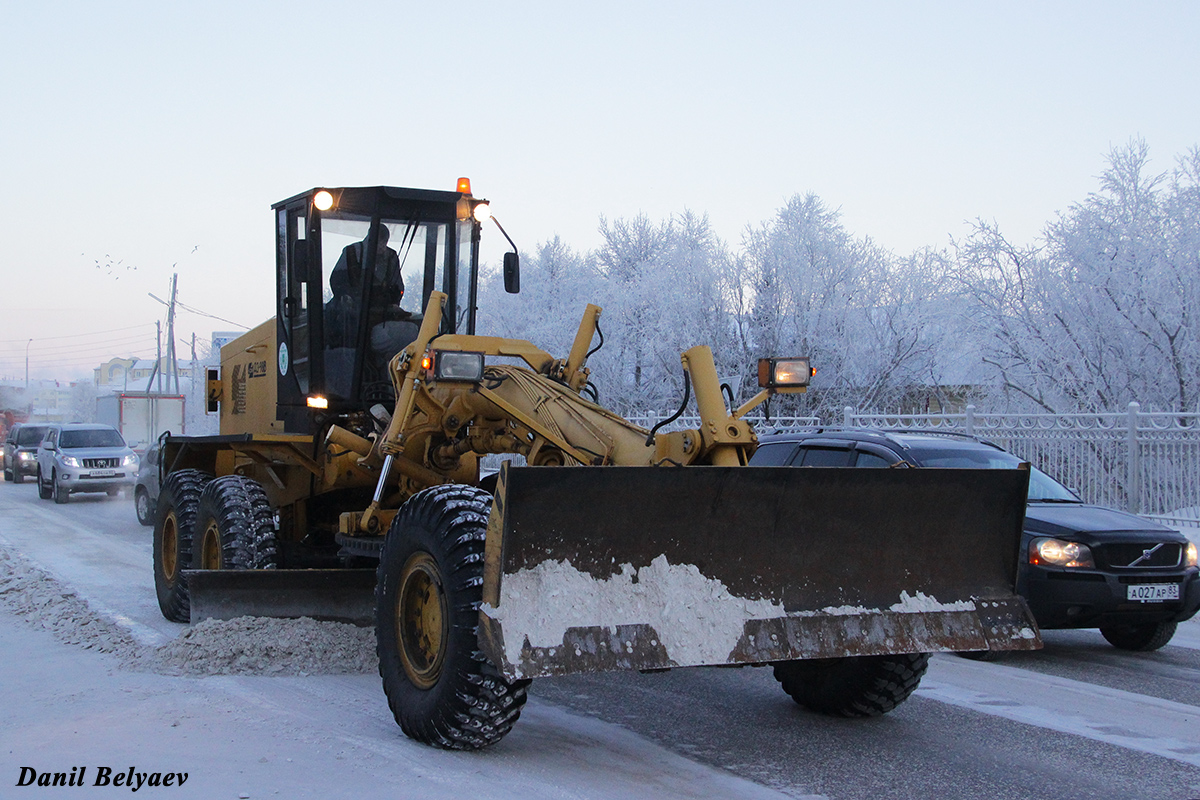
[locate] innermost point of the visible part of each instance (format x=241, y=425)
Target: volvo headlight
x=70, y=461
x=1059, y=553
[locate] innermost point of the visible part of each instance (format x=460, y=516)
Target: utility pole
x=27, y=364
x=157, y=358
x=171, y=361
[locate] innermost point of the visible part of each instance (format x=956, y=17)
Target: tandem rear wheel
x=174, y=521
x=441, y=689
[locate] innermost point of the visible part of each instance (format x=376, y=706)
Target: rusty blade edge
x=1004, y=624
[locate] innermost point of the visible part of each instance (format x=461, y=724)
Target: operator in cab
x=389, y=326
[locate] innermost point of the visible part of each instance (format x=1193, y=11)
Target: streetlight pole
x=27, y=364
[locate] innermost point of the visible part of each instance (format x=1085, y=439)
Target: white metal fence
x=1144, y=462
x=755, y=418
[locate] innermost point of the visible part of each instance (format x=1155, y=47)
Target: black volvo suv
x=1081, y=565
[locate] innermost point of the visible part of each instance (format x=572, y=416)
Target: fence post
x=1134, y=478
x=848, y=417
x=970, y=420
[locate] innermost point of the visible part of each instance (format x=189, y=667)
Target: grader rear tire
x=858, y=686
x=174, y=522
x=442, y=690
x=235, y=527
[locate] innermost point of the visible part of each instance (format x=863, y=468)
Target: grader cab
x=346, y=483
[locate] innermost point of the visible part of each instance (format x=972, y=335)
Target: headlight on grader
x=784, y=373
x=453, y=365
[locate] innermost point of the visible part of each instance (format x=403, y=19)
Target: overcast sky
x=156, y=135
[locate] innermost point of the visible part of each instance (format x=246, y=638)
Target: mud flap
x=648, y=568
x=344, y=595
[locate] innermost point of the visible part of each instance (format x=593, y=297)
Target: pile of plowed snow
x=261, y=646
x=245, y=646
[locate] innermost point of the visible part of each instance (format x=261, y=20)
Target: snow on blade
x=697, y=618
x=921, y=602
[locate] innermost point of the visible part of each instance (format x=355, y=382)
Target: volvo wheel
x=1139, y=638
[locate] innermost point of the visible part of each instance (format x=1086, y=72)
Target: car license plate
x=108, y=473
x=1154, y=592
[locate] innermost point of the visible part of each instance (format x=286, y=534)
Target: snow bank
x=244, y=646
x=44, y=602
x=261, y=646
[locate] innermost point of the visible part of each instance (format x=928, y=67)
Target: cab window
x=872, y=460
x=773, y=455
x=823, y=457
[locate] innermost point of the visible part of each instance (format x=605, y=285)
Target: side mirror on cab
x=512, y=273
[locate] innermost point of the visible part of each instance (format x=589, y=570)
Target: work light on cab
x=784, y=373
x=452, y=365
x=323, y=200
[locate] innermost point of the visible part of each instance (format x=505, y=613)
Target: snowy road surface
x=1078, y=719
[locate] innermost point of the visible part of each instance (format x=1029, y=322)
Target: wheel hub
x=170, y=538
x=422, y=620
x=210, y=547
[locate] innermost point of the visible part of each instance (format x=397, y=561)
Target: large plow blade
x=649, y=568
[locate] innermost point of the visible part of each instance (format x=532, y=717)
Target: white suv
x=84, y=458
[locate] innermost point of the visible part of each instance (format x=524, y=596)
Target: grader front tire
x=857, y=686
x=442, y=690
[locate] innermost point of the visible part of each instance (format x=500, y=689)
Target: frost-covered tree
x=664, y=292
x=556, y=285
x=1101, y=311
x=870, y=322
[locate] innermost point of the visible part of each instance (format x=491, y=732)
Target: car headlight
x=1058, y=553
x=1189, y=559
x=70, y=461
x=130, y=460
x=26, y=455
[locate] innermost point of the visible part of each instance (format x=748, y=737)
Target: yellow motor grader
x=346, y=483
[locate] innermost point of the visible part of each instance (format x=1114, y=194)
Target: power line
x=75, y=335
x=68, y=348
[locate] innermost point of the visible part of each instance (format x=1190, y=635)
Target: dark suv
x=20, y=451
x=1081, y=566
